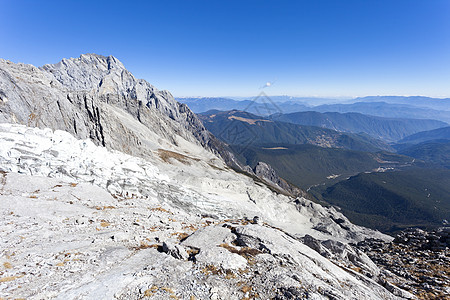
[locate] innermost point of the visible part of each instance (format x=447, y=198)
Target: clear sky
x=232, y=48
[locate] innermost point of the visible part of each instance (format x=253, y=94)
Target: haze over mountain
x=261, y=106
x=432, y=146
x=424, y=136
x=381, y=106
x=388, y=110
x=420, y=101
x=435, y=151
x=388, y=129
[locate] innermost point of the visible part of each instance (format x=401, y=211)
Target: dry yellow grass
x=246, y=252
x=153, y=228
x=180, y=235
x=104, y=207
x=10, y=278
x=103, y=223
x=210, y=269
x=31, y=117
x=159, y=208
x=7, y=265
x=150, y=291
x=144, y=245
x=190, y=227
x=167, y=155
x=230, y=274
x=192, y=251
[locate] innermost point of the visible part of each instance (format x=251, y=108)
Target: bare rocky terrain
x=110, y=189
x=416, y=260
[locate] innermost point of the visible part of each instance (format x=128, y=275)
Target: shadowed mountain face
x=308, y=165
x=420, y=137
x=245, y=129
x=435, y=151
x=388, y=129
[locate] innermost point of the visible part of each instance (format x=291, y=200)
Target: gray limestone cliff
x=95, y=97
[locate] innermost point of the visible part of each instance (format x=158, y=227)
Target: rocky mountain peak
x=96, y=97
x=88, y=71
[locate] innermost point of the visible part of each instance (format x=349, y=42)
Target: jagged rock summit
x=95, y=97
x=110, y=188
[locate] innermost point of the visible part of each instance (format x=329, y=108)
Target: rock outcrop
x=95, y=97
x=268, y=174
x=416, y=261
x=111, y=189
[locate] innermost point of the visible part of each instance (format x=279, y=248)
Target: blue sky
x=232, y=48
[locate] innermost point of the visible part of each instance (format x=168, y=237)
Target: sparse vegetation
x=103, y=223
x=7, y=265
x=247, y=252
x=105, y=207
x=167, y=155
x=160, y=209
x=10, y=278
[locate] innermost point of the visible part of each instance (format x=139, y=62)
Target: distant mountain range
x=388, y=129
x=424, y=136
x=262, y=106
x=432, y=146
x=388, y=110
x=245, y=129
x=420, y=101
x=381, y=106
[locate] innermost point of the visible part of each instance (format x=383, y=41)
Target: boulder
x=175, y=250
x=208, y=237
x=221, y=257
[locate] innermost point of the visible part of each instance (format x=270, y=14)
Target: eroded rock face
x=345, y=255
x=95, y=97
x=267, y=173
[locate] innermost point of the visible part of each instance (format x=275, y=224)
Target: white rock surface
x=168, y=219
x=192, y=184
